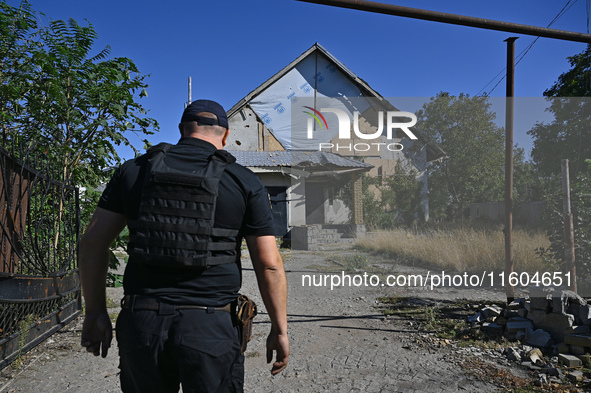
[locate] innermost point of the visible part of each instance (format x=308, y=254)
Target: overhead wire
x=522, y=54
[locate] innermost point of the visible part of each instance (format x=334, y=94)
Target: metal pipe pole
x=444, y=17
x=510, y=291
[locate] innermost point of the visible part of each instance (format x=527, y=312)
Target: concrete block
x=555, y=324
x=500, y=320
x=569, y=360
x=575, y=376
x=581, y=329
x=517, y=324
x=541, y=298
x=583, y=340
x=540, y=303
x=576, y=350
x=510, y=314
x=563, y=348
x=538, y=338
x=494, y=328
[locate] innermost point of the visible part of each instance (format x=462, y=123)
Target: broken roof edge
x=434, y=152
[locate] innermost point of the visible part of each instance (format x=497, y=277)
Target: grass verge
x=460, y=248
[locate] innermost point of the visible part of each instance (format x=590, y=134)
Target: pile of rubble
x=552, y=322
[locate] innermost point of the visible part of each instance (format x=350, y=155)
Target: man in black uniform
x=188, y=207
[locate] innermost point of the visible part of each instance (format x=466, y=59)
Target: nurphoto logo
x=393, y=121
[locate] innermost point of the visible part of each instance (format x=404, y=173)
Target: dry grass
x=461, y=248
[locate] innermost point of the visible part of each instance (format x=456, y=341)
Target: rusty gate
x=39, y=229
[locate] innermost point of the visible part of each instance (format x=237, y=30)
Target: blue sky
x=230, y=47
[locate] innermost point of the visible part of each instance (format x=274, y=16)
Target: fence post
x=569, y=233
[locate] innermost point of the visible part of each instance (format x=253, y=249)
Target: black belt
x=137, y=302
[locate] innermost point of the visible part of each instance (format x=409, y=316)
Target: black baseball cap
x=190, y=113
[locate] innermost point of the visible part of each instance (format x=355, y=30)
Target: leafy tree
x=569, y=134
x=527, y=185
x=63, y=102
x=581, y=212
x=392, y=201
x=18, y=44
x=577, y=81
x=474, y=170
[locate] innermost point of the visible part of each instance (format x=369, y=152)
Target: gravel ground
x=340, y=342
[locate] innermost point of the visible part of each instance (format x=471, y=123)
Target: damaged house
x=310, y=132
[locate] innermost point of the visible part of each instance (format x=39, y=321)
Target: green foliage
x=581, y=212
x=577, y=81
x=569, y=134
x=24, y=327
x=392, y=201
x=473, y=172
x=18, y=45
x=65, y=103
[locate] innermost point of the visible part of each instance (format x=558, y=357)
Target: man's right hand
x=279, y=343
x=97, y=333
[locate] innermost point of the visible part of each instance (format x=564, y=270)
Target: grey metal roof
x=297, y=159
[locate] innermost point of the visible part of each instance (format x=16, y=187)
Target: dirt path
x=340, y=342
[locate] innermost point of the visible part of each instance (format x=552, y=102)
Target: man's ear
x=181, y=129
x=225, y=137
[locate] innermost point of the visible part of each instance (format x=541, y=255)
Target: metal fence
x=39, y=229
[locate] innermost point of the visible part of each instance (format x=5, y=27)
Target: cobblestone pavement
x=339, y=343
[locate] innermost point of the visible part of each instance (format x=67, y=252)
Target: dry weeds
x=462, y=248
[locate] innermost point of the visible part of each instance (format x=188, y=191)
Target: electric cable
x=522, y=54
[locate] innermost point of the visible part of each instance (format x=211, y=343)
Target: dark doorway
x=278, y=197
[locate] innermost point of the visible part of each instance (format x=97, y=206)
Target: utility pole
x=569, y=232
x=509, y=109
x=189, y=100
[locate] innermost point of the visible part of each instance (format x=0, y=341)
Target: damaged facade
x=315, y=183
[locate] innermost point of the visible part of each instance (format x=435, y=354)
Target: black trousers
x=160, y=350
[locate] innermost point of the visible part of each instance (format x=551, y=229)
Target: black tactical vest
x=176, y=222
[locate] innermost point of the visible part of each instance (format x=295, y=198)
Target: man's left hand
x=97, y=333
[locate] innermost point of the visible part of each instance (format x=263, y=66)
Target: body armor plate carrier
x=175, y=226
